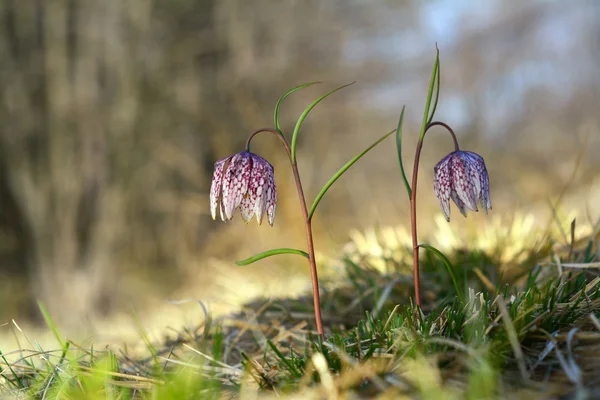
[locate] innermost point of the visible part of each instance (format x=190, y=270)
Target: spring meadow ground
x=526, y=326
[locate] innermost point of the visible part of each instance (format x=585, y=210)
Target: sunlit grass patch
x=526, y=325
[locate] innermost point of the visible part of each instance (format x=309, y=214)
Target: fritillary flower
x=247, y=181
x=462, y=177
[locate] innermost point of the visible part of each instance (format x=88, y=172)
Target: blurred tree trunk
x=54, y=149
x=87, y=103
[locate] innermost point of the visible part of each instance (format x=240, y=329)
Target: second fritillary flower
x=462, y=177
x=247, y=181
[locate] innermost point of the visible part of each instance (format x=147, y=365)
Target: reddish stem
x=431, y=124
x=413, y=205
x=307, y=224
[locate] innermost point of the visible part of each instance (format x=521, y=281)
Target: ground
x=509, y=313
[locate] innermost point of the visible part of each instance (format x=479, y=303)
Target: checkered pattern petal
x=216, y=186
x=442, y=184
x=462, y=176
x=247, y=181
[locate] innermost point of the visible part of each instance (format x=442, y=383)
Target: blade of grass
x=289, y=365
x=512, y=337
x=52, y=325
x=21, y=385
x=147, y=342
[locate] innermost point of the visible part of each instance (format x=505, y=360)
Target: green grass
x=524, y=327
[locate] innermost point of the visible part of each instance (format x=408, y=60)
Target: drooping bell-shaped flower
x=462, y=177
x=247, y=181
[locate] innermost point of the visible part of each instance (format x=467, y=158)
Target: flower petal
x=271, y=195
x=484, y=179
x=235, y=182
x=265, y=184
x=442, y=184
x=256, y=186
x=462, y=182
x=222, y=212
x=473, y=168
x=486, y=201
x=247, y=206
x=461, y=206
x=216, y=185
x=261, y=200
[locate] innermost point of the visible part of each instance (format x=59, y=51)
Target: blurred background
x=113, y=112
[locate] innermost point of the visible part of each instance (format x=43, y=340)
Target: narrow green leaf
x=270, y=253
x=448, y=265
x=399, y=149
x=337, y=175
x=429, y=96
x=146, y=339
x=17, y=378
x=287, y=363
x=437, y=85
x=52, y=325
x=305, y=114
x=286, y=94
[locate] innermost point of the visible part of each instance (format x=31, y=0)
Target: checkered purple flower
x=462, y=177
x=247, y=181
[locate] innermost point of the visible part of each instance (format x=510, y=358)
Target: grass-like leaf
x=293, y=370
x=270, y=253
x=286, y=94
x=305, y=114
x=436, y=69
x=426, y=115
x=337, y=175
x=52, y=325
x=448, y=265
x=19, y=383
x=399, y=149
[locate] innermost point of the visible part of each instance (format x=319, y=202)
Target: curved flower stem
x=307, y=224
x=413, y=204
x=431, y=124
